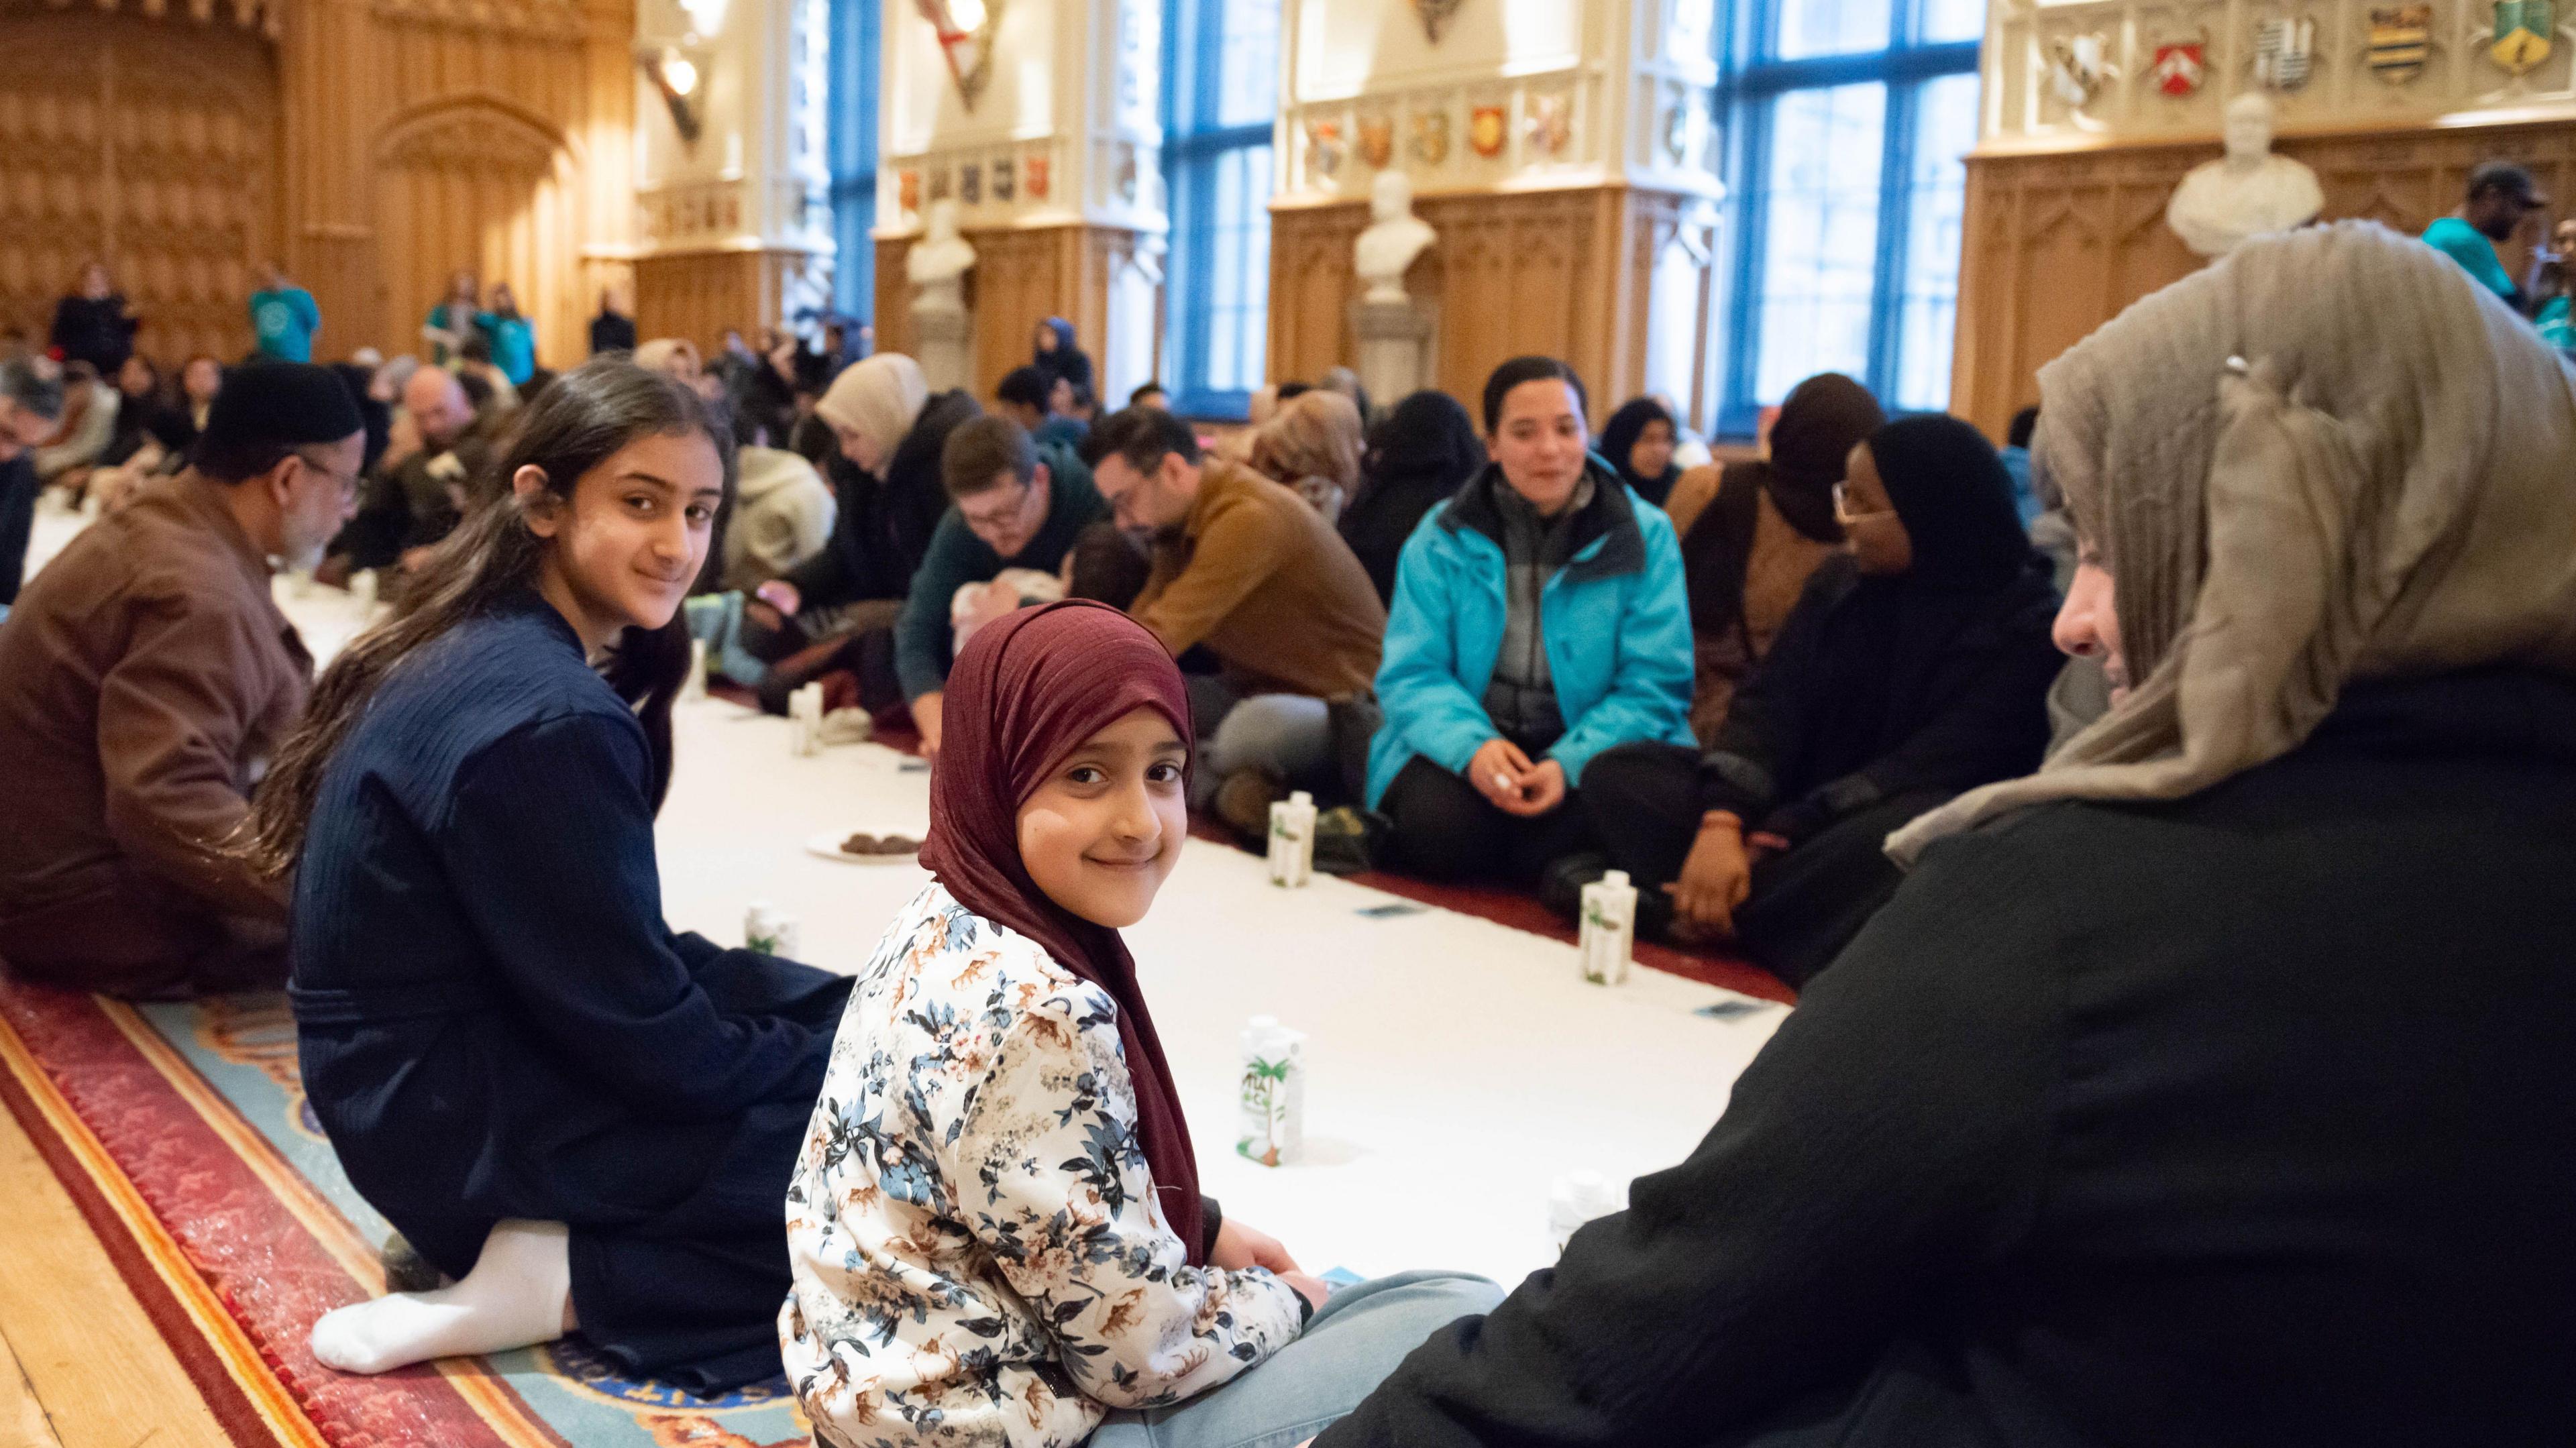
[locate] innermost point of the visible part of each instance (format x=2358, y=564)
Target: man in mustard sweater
x=1246, y=568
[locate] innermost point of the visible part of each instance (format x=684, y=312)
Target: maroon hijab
x=1025, y=692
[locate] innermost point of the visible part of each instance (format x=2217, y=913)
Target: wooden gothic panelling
x=479, y=184
x=371, y=147
x=1023, y=276
x=2056, y=244
x=147, y=146
x=1563, y=273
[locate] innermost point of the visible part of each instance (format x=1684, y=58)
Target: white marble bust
x=1395, y=236
x=939, y=261
x=2246, y=193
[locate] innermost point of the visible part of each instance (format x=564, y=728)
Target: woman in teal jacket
x=1539, y=618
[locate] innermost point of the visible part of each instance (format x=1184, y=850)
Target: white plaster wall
x=923, y=111
x=2460, y=83
x=1345, y=48
x=755, y=173
x=1585, y=91
x=1074, y=97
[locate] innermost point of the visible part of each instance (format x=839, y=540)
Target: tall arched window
x=853, y=148
x=1848, y=119
x=1220, y=97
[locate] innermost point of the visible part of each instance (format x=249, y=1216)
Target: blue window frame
x=1847, y=121
x=1220, y=95
x=853, y=155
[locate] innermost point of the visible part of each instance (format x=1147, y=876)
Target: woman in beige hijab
x=2223, y=1099
x=890, y=428
x=2281, y=489
x=1312, y=445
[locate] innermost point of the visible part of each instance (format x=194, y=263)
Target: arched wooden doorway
x=150, y=142
x=478, y=184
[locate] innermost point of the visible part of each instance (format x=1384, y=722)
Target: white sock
x=519, y=1293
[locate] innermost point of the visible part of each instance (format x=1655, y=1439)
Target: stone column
x=735, y=223
x=1565, y=160
x=1397, y=347
x=1050, y=147
x=946, y=350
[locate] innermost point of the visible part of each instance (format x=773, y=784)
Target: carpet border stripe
x=218, y=1356
x=491, y=1397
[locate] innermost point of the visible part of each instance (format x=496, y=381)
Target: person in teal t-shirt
x=514, y=337
x=2557, y=284
x=283, y=318
x=2501, y=195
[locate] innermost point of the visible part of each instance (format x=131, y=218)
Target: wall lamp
x=681, y=77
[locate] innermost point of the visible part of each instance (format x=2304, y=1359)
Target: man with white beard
x=145, y=676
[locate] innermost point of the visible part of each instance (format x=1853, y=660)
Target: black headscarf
x=1956, y=501
x=1820, y=422
x=1976, y=587
x=1619, y=439
x=1423, y=452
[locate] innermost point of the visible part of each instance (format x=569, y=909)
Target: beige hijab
x=878, y=397
x=2331, y=456
x=1312, y=444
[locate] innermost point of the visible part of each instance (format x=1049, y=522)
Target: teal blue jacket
x=1615, y=619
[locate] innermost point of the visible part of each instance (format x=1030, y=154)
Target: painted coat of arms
x=2521, y=34
x=2283, y=51
x=2079, y=66
x=1431, y=137
x=2181, y=66
x=1488, y=130
x=1377, y=141
x=1551, y=124
x=2401, y=41
x=1325, y=148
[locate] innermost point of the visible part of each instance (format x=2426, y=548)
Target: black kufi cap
x=280, y=404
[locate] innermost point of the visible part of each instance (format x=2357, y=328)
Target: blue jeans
x=1354, y=1341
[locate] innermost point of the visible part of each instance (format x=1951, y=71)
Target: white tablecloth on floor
x=1456, y=1067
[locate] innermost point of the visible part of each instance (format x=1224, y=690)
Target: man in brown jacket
x=145, y=676
x=1248, y=569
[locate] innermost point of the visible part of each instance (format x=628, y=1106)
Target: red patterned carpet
x=233, y=1252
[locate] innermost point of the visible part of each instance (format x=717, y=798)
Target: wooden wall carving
x=1021, y=278
x=698, y=294
x=371, y=147
x=152, y=146
x=1562, y=273
x=2056, y=244
x=473, y=182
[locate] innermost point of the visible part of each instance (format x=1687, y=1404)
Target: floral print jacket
x=978, y=1255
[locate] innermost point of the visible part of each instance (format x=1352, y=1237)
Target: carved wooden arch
x=414, y=133
x=476, y=181
x=260, y=17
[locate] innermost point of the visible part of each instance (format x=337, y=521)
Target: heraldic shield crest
x=2520, y=37
x=2401, y=41
x=2181, y=66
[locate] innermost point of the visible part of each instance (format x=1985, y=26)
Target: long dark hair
x=588, y=415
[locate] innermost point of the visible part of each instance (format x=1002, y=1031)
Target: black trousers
x=1807, y=902
x=18, y=491
x=1446, y=831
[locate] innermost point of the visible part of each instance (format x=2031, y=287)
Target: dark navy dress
x=496, y=1022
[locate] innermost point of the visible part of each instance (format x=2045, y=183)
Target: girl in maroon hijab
x=996, y=1227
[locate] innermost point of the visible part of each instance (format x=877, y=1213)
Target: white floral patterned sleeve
x=976, y=1259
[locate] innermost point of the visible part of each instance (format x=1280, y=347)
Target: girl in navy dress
x=586, y=1118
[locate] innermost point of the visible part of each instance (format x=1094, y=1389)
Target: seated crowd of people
x=2180, y=1029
